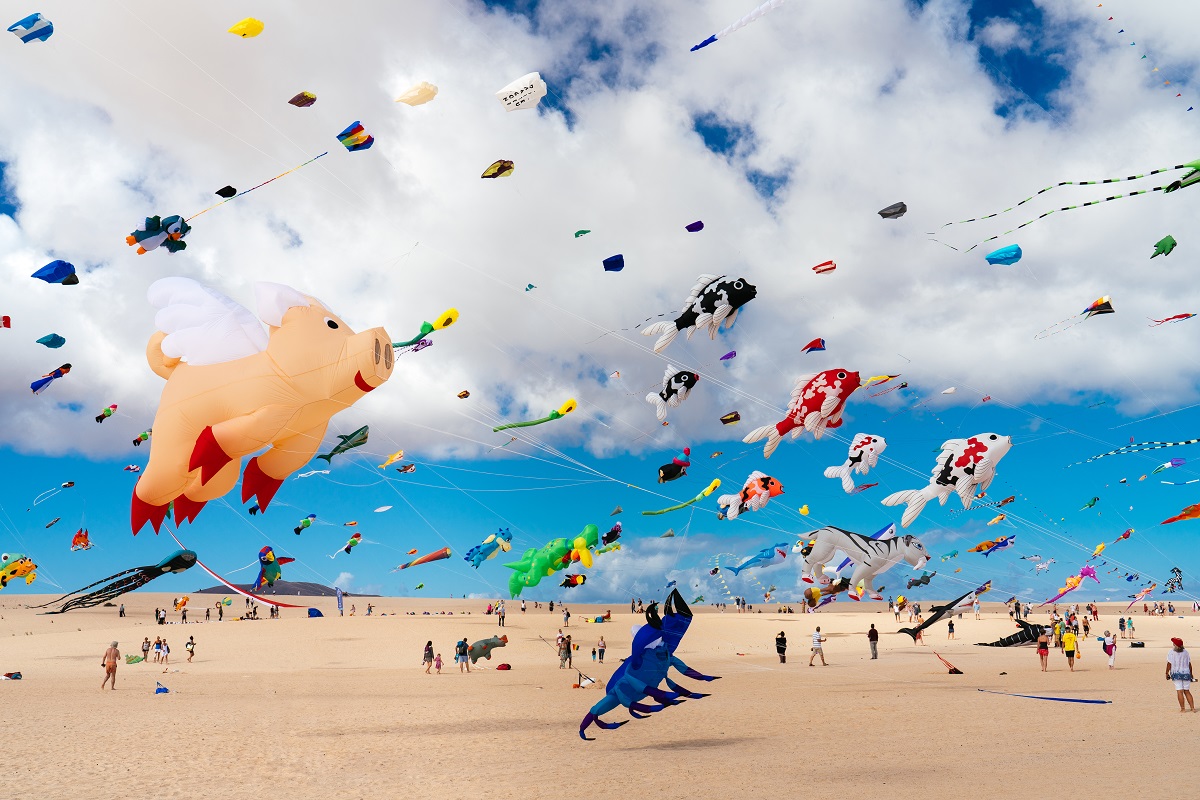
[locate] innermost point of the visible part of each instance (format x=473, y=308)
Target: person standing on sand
x=950, y=630
x=976, y=605
x=427, y=657
x=157, y=649
x=183, y=615
x=817, y=650
x=121, y=611
x=112, y=655
x=190, y=647
x=1179, y=670
x=1043, y=649
x=437, y=663
x=166, y=653
x=781, y=647
x=220, y=612
x=500, y=614
x=873, y=640
x=522, y=605
x=460, y=654
x=1129, y=626
x=566, y=617
x=600, y=646
x=1110, y=649
x=1121, y=626
x=146, y=650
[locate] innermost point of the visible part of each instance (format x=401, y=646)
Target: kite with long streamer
x=712, y=487
x=1188, y=179
x=762, y=10
x=562, y=411
x=437, y=555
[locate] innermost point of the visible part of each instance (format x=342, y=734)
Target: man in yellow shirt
x=1068, y=641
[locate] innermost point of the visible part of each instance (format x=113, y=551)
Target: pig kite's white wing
x=202, y=325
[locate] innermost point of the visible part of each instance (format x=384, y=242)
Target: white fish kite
x=963, y=466
x=765, y=8
x=864, y=454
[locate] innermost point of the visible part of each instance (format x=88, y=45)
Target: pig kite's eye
x=331, y=323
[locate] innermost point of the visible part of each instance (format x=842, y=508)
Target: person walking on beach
x=1110, y=649
x=121, y=610
x=190, y=647
x=1129, y=626
x=1069, y=642
x=427, y=656
x=1087, y=629
x=1121, y=626
x=145, y=649
x=437, y=663
x=873, y=640
x=566, y=617
x=460, y=655
x=1043, y=649
x=781, y=647
x=500, y=614
x=897, y=612
x=157, y=649
x=522, y=605
x=112, y=655
x=600, y=646
x=166, y=653
x=817, y=650
x=1179, y=670
x=950, y=630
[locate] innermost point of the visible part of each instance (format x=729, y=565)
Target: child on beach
x=593, y=654
x=437, y=663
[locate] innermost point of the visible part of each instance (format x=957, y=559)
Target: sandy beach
x=340, y=706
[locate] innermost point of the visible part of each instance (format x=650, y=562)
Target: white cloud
x=111, y=121
x=344, y=581
x=1002, y=35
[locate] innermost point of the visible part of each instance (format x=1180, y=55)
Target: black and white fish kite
x=676, y=385
x=714, y=299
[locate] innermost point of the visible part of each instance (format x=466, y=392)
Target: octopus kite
x=652, y=656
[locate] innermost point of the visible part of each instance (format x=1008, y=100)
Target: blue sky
x=955, y=108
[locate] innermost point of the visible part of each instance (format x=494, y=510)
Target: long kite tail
x=525, y=424
x=1064, y=208
x=1066, y=183
x=1139, y=447
x=712, y=487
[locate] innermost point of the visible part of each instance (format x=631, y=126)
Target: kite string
x=252, y=188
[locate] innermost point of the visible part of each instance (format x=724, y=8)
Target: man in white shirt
x=1179, y=671
x=817, y=650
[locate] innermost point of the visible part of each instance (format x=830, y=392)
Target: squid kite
x=762, y=10
x=116, y=585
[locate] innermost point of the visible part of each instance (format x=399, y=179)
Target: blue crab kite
x=653, y=654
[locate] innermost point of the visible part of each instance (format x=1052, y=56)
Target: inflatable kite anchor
x=638, y=677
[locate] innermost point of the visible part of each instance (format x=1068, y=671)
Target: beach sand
x=341, y=707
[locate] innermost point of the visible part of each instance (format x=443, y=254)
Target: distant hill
x=283, y=589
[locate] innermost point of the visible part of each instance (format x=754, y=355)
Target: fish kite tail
x=327, y=456
x=734, y=570
x=668, y=331
x=772, y=437
x=729, y=502
x=660, y=406
x=842, y=472
x=915, y=500
x=910, y=631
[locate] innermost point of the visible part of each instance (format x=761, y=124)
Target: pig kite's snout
x=373, y=374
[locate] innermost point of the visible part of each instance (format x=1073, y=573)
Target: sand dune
x=341, y=707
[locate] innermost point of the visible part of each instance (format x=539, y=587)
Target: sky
x=785, y=137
